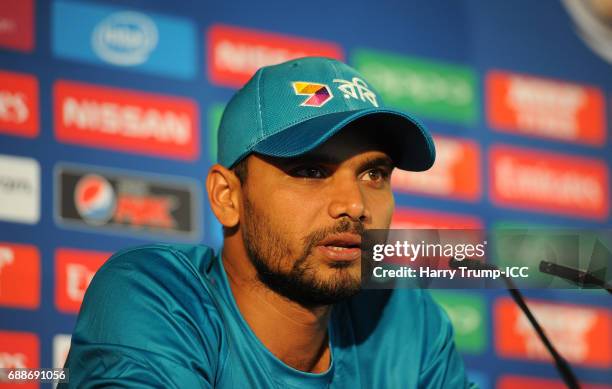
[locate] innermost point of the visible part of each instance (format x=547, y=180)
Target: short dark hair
x=240, y=170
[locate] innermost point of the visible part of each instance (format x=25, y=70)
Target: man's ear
x=224, y=193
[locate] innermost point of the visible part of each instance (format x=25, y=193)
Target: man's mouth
x=338, y=248
x=341, y=247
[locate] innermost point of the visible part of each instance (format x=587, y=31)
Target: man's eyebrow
x=370, y=162
x=376, y=162
x=315, y=158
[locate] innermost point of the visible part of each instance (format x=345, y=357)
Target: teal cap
x=288, y=109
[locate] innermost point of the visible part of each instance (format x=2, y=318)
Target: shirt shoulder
x=147, y=282
x=195, y=258
x=149, y=306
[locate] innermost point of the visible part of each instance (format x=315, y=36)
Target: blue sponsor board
x=124, y=38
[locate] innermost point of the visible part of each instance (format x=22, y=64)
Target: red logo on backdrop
x=18, y=104
x=455, y=174
x=74, y=270
x=17, y=24
x=126, y=120
x=236, y=53
x=19, y=275
x=549, y=182
x=546, y=108
x=516, y=382
x=585, y=339
x=412, y=218
x=19, y=350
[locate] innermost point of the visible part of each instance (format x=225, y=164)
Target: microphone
x=575, y=276
x=562, y=365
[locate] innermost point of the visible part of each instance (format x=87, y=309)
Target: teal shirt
x=164, y=316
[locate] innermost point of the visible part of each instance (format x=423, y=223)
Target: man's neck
x=295, y=334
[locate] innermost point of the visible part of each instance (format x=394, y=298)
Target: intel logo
x=125, y=38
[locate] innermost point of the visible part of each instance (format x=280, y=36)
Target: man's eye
x=376, y=174
x=308, y=172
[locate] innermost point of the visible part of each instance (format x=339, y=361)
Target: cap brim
x=411, y=145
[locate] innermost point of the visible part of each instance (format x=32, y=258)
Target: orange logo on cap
x=319, y=94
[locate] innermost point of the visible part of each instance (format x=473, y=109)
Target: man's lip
x=342, y=240
x=340, y=255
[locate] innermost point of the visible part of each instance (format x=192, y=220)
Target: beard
x=302, y=283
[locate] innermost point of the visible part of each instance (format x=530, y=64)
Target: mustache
x=345, y=225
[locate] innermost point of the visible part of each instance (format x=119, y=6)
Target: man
x=306, y=151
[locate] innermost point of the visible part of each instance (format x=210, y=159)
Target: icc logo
x=95, y=199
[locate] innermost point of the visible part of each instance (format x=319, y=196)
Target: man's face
x=303, y=217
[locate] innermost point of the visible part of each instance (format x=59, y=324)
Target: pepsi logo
x=125, y=38
x=95, y=199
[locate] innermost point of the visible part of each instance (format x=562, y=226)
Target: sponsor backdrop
x=108, y=117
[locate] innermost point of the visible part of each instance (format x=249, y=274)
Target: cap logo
x=356, y=89
x=318, y=94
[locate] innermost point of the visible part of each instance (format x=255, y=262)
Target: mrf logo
x=127, y=202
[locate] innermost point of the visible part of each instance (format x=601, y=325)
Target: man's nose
x=347, y=199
